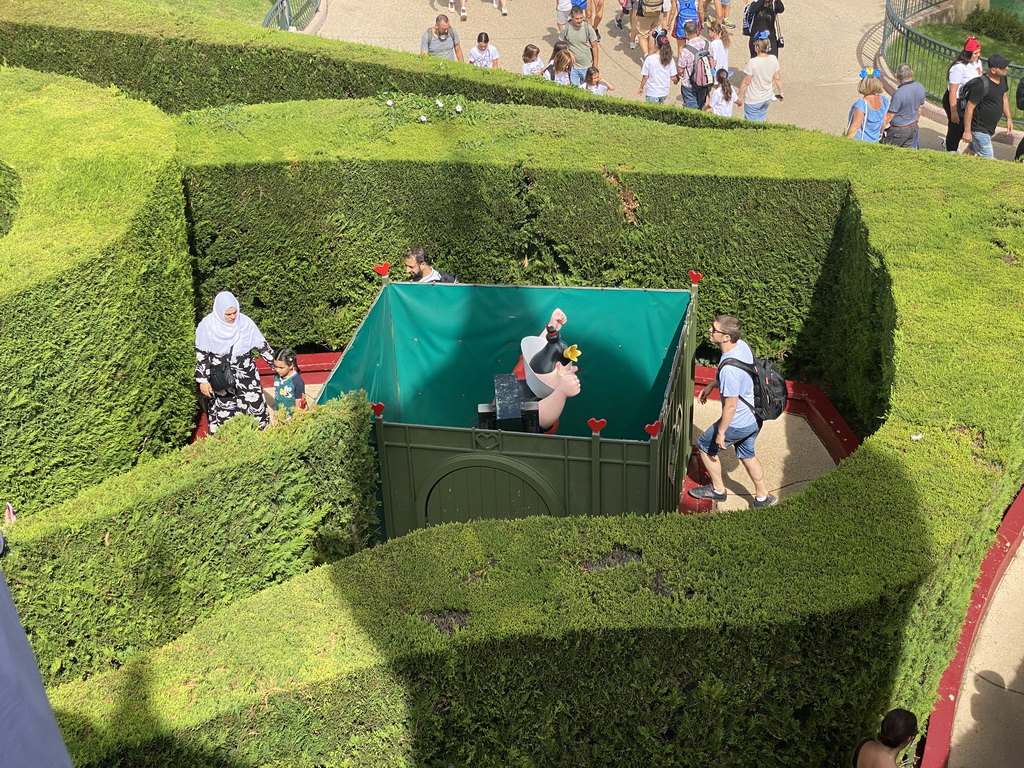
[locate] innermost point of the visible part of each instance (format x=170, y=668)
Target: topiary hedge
x=136, y=561
x=189, y=62
x=8, y=197
x=95, y=309
x=292, y=204
x=661, y=641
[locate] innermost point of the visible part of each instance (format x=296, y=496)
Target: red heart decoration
x=695, y=277
x=377, y=408
x=382, y=269
x=653, y=429
x=596, y=425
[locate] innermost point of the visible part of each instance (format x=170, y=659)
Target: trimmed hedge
x=189, y=62
x=9, y=187
x=282, y=192
x=134, y=562
x=96, y=310
x=783, y=631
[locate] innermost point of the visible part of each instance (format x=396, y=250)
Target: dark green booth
x=428, y=354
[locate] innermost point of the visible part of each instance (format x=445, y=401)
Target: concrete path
x=827, y=44
x=988, y=729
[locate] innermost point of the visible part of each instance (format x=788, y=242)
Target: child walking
x=594, y=83
x=562, y=67
x=721, y=98
x=719, y=47
x=532, y=65
x=483, y=54
x=289, y=388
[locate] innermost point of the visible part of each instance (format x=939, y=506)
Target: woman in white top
x=658, y=73
x=761, y=74
x=483, y=54
x=967, y=66
x=719, y=46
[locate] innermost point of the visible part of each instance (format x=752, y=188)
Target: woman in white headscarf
x=225, y=369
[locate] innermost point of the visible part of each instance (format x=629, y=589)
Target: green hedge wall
x=298, y=232
x=189, y=62
x=96, y=310
x=9, y=186
x=134, y=562
x=784, y=631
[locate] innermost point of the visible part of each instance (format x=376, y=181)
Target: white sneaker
x=462, y=13
x=495, y=3
x=632, y=45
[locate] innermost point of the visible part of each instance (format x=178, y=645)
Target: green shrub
x=190, y=62
x=279, y=197
x=96, y=313
x=136, y=561
x=997, y=24
x=784, y=631
x=8, y=197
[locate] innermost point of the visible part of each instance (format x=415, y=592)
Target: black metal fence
x=929, y=58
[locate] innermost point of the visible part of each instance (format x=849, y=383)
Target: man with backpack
x=695, y=71
x=985, y=99
x=739, y=425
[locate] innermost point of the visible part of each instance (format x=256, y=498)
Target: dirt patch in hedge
x=447, y=623
x=618, y=556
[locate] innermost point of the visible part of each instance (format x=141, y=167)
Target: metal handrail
x=303, y=11
x=929, y=58
x=279, y=16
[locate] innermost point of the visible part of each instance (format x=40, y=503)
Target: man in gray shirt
x=582, y=40
x=899, y=127
x=441, y=41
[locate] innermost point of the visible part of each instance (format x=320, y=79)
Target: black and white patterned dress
x=248, y=395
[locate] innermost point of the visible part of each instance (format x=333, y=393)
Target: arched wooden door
x=470, y=488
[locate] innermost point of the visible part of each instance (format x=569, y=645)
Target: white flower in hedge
x=458, y=108
x=390, y=103
x=916, y=437
x=423, y=118
x=439, y=103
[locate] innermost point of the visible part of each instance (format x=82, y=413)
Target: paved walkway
x=827, y=44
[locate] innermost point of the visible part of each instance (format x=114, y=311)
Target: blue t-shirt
x=734, y=382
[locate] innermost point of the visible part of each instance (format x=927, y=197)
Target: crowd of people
x=699, y=64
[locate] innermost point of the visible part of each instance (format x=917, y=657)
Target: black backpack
x=769, y=387
x=748, y=19
x=968, y=88
x=445, y=277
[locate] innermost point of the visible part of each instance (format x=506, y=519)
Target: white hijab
x=217, y=335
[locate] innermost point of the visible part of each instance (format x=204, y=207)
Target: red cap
x=972, y=44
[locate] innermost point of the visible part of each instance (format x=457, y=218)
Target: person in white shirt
x=532, y=65
x=659, y=73
x=483, y=54
x=594, y=83
x=967, y=66
x=722, y=98
x=719, y=47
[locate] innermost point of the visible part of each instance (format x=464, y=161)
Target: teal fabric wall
x=430, y=352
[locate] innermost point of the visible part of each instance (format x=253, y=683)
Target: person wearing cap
x=966, y=66
x=441, y=41
x=420, y=268
x=985, y=105
x=900, y=124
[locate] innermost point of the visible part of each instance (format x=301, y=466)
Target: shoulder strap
x=748, y=367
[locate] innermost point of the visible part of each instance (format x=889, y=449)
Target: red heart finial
x=653, y=429
x=695, y=277
x=596, y=425
x=377, y=408
x=382, y=269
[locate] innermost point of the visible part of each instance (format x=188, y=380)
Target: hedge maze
x=217, y=606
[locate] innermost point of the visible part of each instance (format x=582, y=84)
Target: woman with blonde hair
x=868, y=112
x=760, y=79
